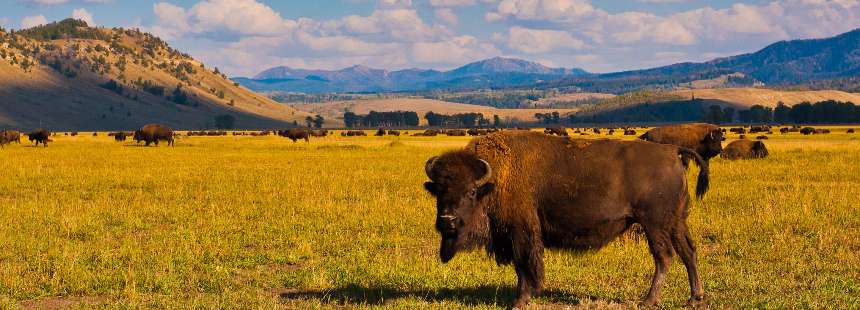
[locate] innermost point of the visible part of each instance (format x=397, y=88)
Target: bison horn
x=428, y=167
x=487, y=176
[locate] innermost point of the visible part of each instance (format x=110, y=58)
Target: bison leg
x=528, y=264
x=683, y=244
x=661, y=249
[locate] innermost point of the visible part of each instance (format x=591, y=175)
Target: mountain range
x=490, y=73
x=796, y=62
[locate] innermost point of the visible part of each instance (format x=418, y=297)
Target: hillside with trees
x=69, y=76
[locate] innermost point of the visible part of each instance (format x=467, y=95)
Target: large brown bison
x=319, y=133
x=9, y=136
x=153, y=133
x=705, y=139
x=40, y=136
x=296, y=134
x=744, y=149
x=515, y=193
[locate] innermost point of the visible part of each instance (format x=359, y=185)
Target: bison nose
x=447, y=225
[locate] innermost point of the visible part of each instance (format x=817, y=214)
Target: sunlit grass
x=244, y=222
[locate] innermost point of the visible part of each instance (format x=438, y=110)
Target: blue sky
x=243, y=37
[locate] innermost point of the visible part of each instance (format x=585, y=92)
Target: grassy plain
x=261, y=222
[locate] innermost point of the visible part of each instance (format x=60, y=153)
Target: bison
x=40, y=136
x=807, y=131
x=380, y=132
x=705, y=139
x=629, y=132
x=296, y=134
x=395, y=133
x=455, y=132
x=120, y=136
x=153, y=133
x=9, y=136
x=744, y=149
x=558, y=131
x=515, y=193
x=850, y=130
x=319, y=133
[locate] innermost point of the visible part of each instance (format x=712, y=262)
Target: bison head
x=461, y=183
x=759, y=150
x=713, y=143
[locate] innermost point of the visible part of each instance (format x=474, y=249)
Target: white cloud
x=33, y=21
x=447, y=16
x=84, y=15
x=532, y=41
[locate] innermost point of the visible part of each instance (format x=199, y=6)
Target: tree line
x=823, y=112
x=381, y=119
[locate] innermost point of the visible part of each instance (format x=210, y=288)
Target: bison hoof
x=521, y=303
x=648, y=303
x=696, y=301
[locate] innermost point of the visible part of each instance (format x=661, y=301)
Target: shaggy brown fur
x=705, y=139
x=516, y=192
x=152, y=133
x=744, y=149
x=558, y=131
x=9, y=136
x=40, y=136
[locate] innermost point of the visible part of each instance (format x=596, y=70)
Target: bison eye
x=473, y=192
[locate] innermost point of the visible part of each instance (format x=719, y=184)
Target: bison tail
x=703, y=181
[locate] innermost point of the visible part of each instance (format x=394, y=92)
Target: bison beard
x=500, y=194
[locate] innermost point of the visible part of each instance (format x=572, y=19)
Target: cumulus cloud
x=738, y=28
x=84, y=15
x=33, y=21
x=255, y=36
x=533, y=41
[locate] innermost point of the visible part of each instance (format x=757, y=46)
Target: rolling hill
x=743, y=98
x=490, y=73
x=68, y=76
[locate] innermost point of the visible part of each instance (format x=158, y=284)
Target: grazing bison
x=296, y=134
x=455, y=132
x=738, y=130
x=807, y=131
x=40, y=136
x=120, y=136
x=744, y=149
x=705, y=139
x=850, y=130
x=394, y=133
x=515, y=193
x=319, y=133
x=558, y=131
x=153, y=133
x=821, y=131
x=9, y=136
x=629, y=132
x=380, y=132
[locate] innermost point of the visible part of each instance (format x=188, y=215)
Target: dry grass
x=261, y=222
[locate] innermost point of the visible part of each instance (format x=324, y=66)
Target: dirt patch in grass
x=63, y=302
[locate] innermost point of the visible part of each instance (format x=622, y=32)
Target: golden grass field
x=261, y=222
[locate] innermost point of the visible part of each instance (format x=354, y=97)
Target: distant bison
x=353, y=133
x=380, y=132
x=738, y=130
x=516, y=193
x=761, y=138
x=9, y=136
x=120, y=136
x=744, y=149
x=295, y=134
x=705, y=139
x=394, y=133
x=153, y=133
x=807, y=131
x=558, y=131
x=629, y=132
x=455, y=132
x=40, y=136
x=319, y=133
x=850, y=130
